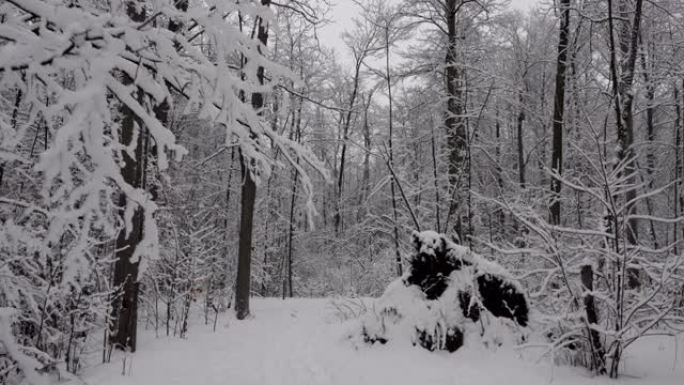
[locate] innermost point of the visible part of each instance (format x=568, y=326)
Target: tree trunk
x=499, y=170
x=680, y=151
x=388, y=78
x=624, y=97
x=597, y=351
x=125, y=303
x=454, y=122
x=521, y=148
x=365, y=184
x=558, y=111
x=650, y=135
x=434, y=175
x=243, y=280
x=293, y=201
x=629, y=44
x=345, y=137
x=679, y=170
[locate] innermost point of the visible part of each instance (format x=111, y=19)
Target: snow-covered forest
x=453, y=190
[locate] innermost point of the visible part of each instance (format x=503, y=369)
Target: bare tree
x=558, y=110
x=243, y=281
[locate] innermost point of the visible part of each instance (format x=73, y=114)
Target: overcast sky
x=345, y=10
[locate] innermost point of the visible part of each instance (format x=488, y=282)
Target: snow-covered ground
x=301, y=342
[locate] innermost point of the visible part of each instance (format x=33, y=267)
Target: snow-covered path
x=298, y=342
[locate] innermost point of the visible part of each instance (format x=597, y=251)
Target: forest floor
x=304, y=342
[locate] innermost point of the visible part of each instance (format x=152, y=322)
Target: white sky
x=345, y=10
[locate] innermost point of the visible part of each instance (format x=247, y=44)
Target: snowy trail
x=294, y=342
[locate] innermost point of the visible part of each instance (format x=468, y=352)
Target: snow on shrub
x=447, y=295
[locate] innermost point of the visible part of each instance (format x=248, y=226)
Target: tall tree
x=622, y=79
x=125, y=302
x=361, y=42
x=629, y=47
x=558, y=111
x=387, y=19
x=455, y=113
x=248, y=194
